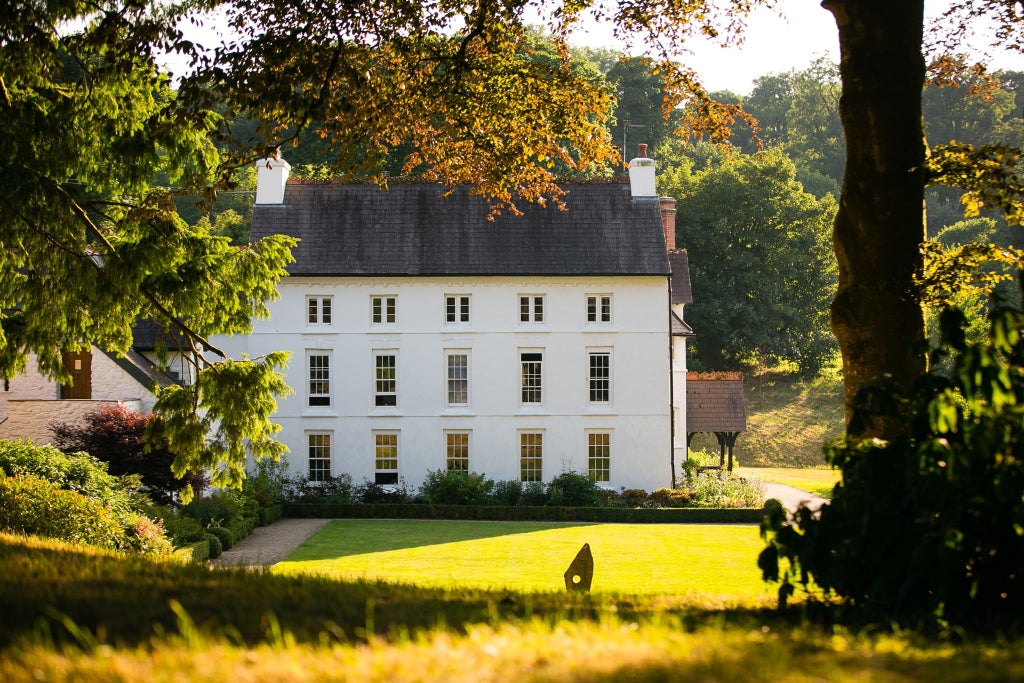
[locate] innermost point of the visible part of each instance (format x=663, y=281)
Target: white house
x=426, y=337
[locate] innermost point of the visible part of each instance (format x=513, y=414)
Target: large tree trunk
x=876, y=315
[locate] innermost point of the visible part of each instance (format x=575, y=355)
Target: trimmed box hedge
x=527, y=513
x=193, y=553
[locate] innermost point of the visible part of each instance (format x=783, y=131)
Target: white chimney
x=641, y=175
x=271, y=177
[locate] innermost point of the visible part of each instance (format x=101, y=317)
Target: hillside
x=788, y=420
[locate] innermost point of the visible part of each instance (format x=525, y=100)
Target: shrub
x=220, y=507
x=507, y=492
x=925, y=528
x=30, y=505
x=455, y=487
x=183, y=530
x=79, y=472
x=634, y=498
x=573, y=489
x=147, y=537
x=227, y=539
x=333, y=490
x=668, y=498
x=116, y=434
x=534, y=493
x=267, y=482
x=371, y=493
x=215, y=547
x=721, y=489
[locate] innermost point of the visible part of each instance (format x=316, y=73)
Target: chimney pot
x=641, y=175
x=271, y=177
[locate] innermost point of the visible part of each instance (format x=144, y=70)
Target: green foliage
x=31, y=505
x=337, y=489
x=760, y=260
x=215, y=548
x=116, y=434
x=372, y=493
x=226, y=538
x=144, y=536
x=182, y=531
x=534, y=493
x=573, y=489
x=927, y=528
x=455, y=487
x=507, y=492
x=92, y=246
x=267, y=482
x=221, y=507
x=719, y=489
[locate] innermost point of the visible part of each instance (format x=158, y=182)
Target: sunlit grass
x=135, y=619
x=816, y=480
x=643, y=559
x=538, y=651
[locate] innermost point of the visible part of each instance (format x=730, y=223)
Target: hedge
x=527, y=513
x=194, y=553
x=270, y=514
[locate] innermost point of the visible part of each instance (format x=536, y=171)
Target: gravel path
x=268, y=545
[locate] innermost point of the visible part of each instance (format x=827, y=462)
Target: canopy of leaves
x=760, y=264
x=89, y=244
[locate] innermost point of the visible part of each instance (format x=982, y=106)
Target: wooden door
x=79, y=365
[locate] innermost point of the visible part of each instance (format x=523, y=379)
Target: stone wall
x=32, y=419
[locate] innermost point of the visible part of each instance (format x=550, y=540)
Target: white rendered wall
x=638, y=416
x=33, y=401
x=679, y=395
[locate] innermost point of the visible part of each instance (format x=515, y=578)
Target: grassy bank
x=788, y=420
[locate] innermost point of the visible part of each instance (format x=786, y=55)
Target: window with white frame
x=457, y=451
x=531, y=382
x=457, y=363
x=600, y=377
x=318, y=368
x=383, y=310
x=599, y=308
x=456, y=308
x=385, y=383
x=599, y=456
x=319, y=455
x=385, y=457
x=531, y=456
x=318, y=310
x=531, y=308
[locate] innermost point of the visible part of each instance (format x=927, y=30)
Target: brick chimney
x=668, y=221
x=271, y=177
x=641, y=175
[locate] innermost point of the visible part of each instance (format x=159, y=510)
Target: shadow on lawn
x=345, y=538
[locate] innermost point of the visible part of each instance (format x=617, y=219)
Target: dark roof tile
x=361, y=230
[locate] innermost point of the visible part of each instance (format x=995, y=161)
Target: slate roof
x=679, y=326
x=411, y=229
x=679, y=262
x=141, y=369
x=714, y=403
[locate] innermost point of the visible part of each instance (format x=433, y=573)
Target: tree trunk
x=876, y=315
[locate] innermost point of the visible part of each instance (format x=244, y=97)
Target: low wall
x=31, y=419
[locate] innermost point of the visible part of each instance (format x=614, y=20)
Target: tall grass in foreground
x=121, y=618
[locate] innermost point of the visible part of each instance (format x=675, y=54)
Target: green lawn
x=645, y=559
x=817, y=480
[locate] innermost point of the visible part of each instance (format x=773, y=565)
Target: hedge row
x=527, y=513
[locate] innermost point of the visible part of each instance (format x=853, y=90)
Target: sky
x=780, y=40
x=773, y=44
x=789, y=37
